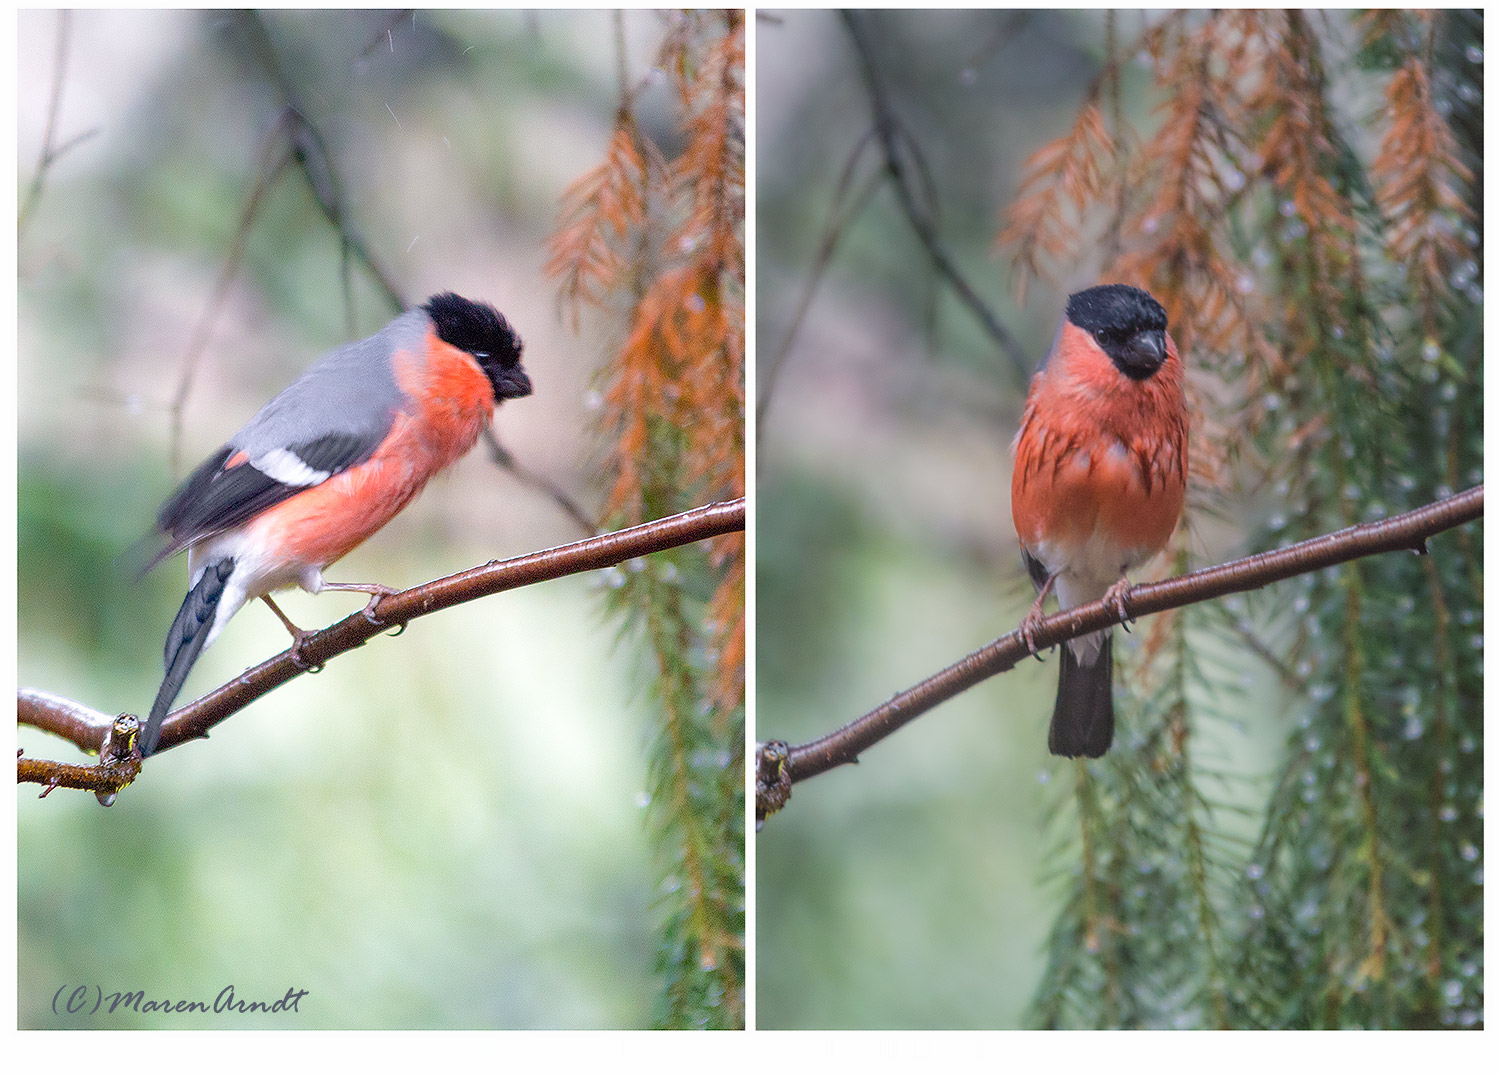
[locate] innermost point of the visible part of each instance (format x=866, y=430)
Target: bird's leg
x=1114, y=600
x=298, y=634
x=1034, y=617
x=377, y=593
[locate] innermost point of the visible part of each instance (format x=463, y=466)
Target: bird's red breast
x=449, y=402
x=1101, y=457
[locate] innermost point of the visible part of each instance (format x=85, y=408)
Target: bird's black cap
x=1128, y=324
x=481, y=330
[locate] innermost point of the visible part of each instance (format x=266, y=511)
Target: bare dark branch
x=311, y=154
x=891, y=134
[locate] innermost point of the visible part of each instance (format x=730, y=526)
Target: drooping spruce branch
x=657, y=242
x=95, y=732
x=779, y=766
x=1331, y=293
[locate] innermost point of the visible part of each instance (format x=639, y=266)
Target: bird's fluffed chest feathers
x=1101, y=460
x=448, y=398
x=447, y=402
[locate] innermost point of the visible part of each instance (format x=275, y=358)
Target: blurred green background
x=914, y=890
x=443, y=830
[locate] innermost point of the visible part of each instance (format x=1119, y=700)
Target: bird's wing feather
x=332, y=418
x=232, y=486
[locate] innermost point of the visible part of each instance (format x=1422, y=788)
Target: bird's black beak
x=1144, y=353
x=511, y=383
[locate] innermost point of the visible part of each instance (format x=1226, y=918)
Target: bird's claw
x=378, y=594
x=298, y=639
x=1033, y=619
x=1114, y=600
x=1028, y=629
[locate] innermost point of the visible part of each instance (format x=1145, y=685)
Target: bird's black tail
x=184, y=642
x=1083, y=723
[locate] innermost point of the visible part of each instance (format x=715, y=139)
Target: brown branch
x=119, y=763
x=84, y=727
x=779, y=766
x=91, y=731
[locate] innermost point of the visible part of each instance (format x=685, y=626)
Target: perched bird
x=1100, y=471
x=328, y=462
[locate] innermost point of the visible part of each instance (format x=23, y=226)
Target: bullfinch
x=1097, y=488
x=328, y=462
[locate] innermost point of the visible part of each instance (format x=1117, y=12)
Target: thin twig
x=54, y=108
x=547, y=487
x=840, y=214
x=90, y=733
x=1290, y=680
x=316, y=163
x=51, y=150
x=1006, y=30
x=890, y=131
x=1406, y=531
x=274, y=159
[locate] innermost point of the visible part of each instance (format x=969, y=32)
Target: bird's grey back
x=354, y=386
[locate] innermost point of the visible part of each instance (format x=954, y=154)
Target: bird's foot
x=1028, y=629
x=1034, y=617
x=377, y=593
x=1114, y=600
x=299, y=638
x=375, y=599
